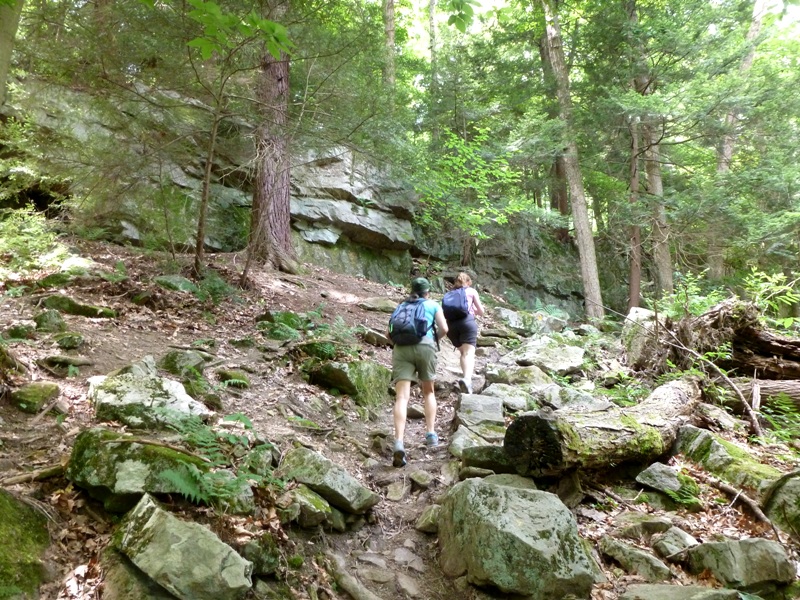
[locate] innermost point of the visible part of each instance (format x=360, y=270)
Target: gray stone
x=363, y=225
x=379, y=304
x=375, y=574
x=493, y=458
x=651, y=591
x=514, y=398
x=463, y=438
x=476, y=409
x=749, y=564
x=265, y=554
x=671, y=544
x=329, y=480
x=372, y=559
x=516, y=375
x=408, y=586
x=520, y=541
x=547, y=354
x=634, y=560
x=515, y=481
x=314, y=510
x=186, y=559
x=421, y=479
x=119, y=473
x=637, y=525
x=660, y=477
x=781, y=502
x=143, y=402
x=396, y=491
x=428, y=521
x=415, y=411
x=470, y=472
x=123, y=581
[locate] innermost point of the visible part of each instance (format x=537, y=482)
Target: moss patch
x=20, y=560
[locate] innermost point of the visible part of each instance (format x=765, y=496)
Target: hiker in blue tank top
x=414, y=358
x=463, y=332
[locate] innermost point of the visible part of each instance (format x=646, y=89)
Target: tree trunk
x=557, y=182
x=580, y=213
x=546, y=443
x=9, y=21
x=660, y=232
x=769, y=391
x=270, y=228
x=389, y=43
x=635, y=279
x=434, y=89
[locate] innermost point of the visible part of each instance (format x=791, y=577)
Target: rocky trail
x=381, y=554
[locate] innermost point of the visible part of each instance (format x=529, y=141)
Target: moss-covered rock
x=55, y=280
x=65, y=304
x=233, y=378
x=69, y=340
x=279, y=331
x=50, y=321
x=117, y=472
x=184, y=362
x=20, y=331
x=367, y=382
x=31, y=398
x=285, y=317
x=176, y=283
x=23, y=531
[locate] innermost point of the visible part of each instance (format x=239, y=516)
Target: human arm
x=476, y=304
x=441, y=323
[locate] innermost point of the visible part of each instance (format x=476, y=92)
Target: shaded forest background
x=660, y=138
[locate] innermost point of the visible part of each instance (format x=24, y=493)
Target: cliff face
x=346, y=213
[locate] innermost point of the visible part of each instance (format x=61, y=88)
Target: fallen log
x=769, y=392
x=549, y=442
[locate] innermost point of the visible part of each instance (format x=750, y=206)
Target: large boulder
x=521, y=541
x=640, y=336
x=327, y=479
x=119, y=473
x=143, y=401
x=366, y=381
x=186, y=559
x=752, y=564
x=549, y=355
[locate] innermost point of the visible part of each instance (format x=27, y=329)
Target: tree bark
x=635, y=278
x=660, y=232
x=580, y=213
x=9, y=21
x=270, y=228
x=546, y=443
x=769, y=391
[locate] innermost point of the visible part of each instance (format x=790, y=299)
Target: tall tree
x=580, y=213
x=389, y=71
x=270, y=231
x=10, y=11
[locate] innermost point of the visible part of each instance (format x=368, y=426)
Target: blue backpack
x=454, y=305
x=408, y=323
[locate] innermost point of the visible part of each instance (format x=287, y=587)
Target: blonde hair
x=463, y=280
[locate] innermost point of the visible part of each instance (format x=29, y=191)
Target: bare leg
x=467, y=361
x=429, y=399
x=402, y=394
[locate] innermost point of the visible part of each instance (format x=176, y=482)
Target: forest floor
x=387, y=542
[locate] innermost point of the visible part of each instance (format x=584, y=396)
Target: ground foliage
x=281, y=406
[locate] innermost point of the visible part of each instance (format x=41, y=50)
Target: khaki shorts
x=414, y=363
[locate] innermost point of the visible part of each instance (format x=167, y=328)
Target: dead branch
x=38, y=475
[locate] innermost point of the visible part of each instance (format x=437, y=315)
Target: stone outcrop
x=186, y=559
x=519, y=541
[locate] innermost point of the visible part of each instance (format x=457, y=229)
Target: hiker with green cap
x=415, y=327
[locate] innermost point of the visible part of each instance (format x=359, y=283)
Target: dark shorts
x=463, y=332
x=414, y=363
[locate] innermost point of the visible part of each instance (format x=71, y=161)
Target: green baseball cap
x=420, y=285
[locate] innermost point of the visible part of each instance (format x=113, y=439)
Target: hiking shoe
x=399, y=455
x=431, y=440
x=464, y=386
